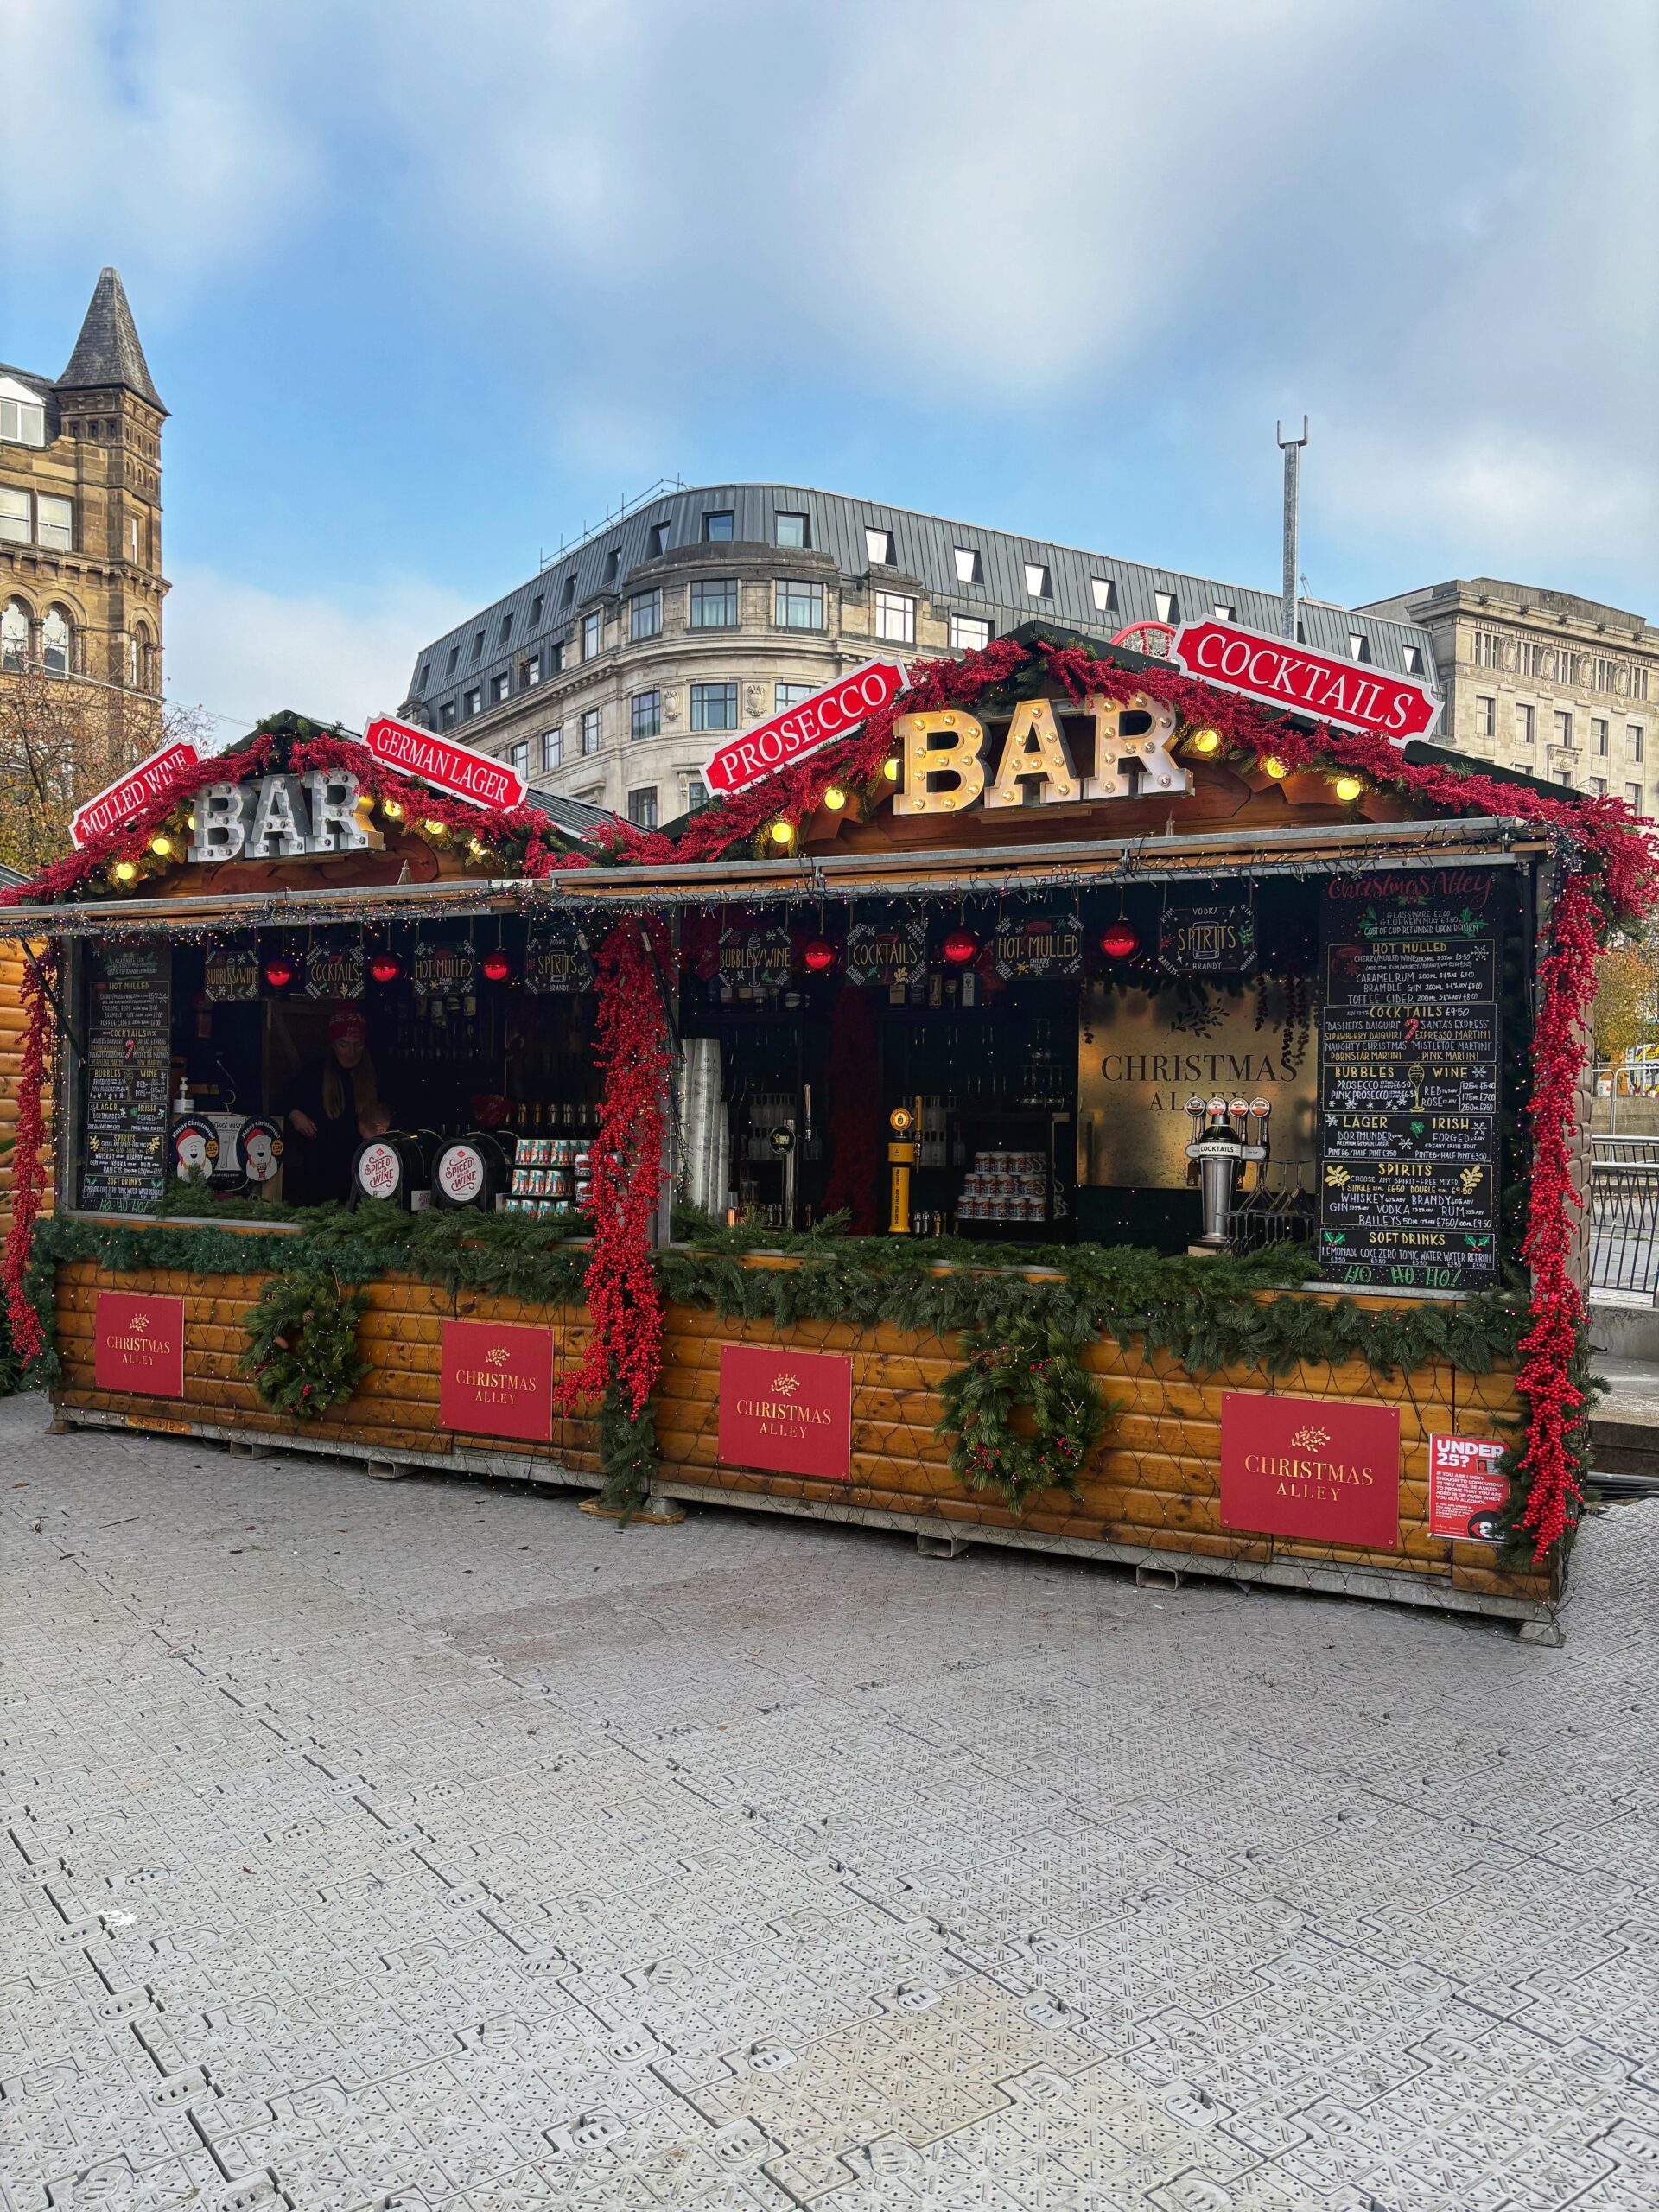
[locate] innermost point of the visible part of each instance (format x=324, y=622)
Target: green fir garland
x=1045, y=1300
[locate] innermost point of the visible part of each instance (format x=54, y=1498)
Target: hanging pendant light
x=959, y=947
x=1118, y=940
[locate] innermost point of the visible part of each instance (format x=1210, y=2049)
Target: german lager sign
x=1352, y=695
x=445, y=765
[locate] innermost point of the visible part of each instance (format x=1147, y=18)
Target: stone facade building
x=1564, y=687
x=613, y=674
x=81, y=509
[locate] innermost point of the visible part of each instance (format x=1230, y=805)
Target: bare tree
x=62, y=740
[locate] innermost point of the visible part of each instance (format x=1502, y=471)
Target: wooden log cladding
x=12, y=1031
x=1153, y=1483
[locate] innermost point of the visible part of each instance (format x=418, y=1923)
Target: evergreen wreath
x=301, y=1352
x=1022, y=1412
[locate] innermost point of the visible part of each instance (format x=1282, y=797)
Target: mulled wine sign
x=118, y=801
x=335, y=971
x=788, y=1412
x=442, y=970
x=1215, y=938
x=755, y=955
x=139, y=1343
x=1408, y=1080
x=886, y=952
x=497, y=1380
x=1036, y=946
x=1325, y=1469
x=1351, y=695
x=279, y=818
x=557, y=961
x=230, y=976
x=124, y=1153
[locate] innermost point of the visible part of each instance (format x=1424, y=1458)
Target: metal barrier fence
x=1624, y=1214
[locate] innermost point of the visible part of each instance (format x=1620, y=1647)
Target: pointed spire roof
x=107, y=351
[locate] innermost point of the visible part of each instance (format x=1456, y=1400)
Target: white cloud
x=243, y=653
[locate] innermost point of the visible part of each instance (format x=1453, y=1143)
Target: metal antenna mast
x=1292, y=449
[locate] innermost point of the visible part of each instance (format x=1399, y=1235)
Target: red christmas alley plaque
x=788, y=1411
x=497, y=1380
x=140, y=1343
x=1318, y=1468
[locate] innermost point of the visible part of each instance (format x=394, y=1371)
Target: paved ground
x=427, y=1843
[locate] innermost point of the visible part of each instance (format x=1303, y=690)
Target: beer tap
x=1223, y=1141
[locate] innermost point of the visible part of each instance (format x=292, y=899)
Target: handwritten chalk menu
x=124, y=1148
x=1408, y=1067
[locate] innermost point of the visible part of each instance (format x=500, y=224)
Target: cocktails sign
x=1351, y=694
x=445, y=765
x=836, y=711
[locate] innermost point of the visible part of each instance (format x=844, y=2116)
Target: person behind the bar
x=333, y=1106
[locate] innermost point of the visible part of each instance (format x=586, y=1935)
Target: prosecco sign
x=1351, y=694
x=836, y=711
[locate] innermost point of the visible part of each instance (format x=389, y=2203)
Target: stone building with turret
x=81, y=509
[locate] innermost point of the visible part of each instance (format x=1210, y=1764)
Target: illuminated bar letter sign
x=787, y=1411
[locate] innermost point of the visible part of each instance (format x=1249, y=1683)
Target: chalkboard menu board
x=1408, y=1067
x=128, y=1044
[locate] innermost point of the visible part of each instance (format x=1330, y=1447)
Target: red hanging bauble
x=280, y=971
x=819, y=955
x=1118, y=940
x=960, y=947
x=385, y=967
x=497, y=967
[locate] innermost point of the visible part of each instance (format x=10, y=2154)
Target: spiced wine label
x=1038, y=945
x=442, y=971
x=788, y=1411
x=1323, y=1469
x=139, y=1343
x=497, y=1380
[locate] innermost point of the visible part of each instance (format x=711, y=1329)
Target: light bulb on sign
x=161, y=846
x=890, y=770
x=1207, y=741
x=835, y=799
x=783, y=833
x=1349, y=788
x=1276, y=769
x=124, y=872
x=391, y=809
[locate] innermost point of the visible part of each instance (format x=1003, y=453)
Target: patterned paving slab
x=434, y=1846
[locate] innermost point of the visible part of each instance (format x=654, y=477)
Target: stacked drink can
x=1005, y=1186
x=551, y=1177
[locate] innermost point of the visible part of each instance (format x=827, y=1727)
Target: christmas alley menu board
x=1408, y=1059
x=123, y=1153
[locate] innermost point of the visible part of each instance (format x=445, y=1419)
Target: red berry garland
x=633, y=1049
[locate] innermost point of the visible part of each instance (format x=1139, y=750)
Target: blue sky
x=425, y=286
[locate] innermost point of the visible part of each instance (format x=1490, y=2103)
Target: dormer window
x=657, y=542
x=22, y=413
x=1359, y=645
x=877, y=547
x=613, y=563
x=1168, y=607
x=717, y=527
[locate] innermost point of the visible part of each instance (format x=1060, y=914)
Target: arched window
x=13, y=635
x=145, y=677
x=57, y=641
x=131, y=648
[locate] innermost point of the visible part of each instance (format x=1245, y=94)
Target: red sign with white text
x=835, y=711
x=790, y=1411
x=121, y=799
x=139, y=1343
x=497, y=1380
x=1351, y=694
x=1466, y=1491
x=1321, y=1468
x=448, y=766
